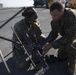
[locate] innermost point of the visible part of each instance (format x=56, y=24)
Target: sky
x=16, y=3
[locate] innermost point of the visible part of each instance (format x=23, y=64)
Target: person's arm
x=70, y=33
x=37, y=28
x=51, y=37
x=53, y=34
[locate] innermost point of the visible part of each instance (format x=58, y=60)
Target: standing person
x=30, y=25
x=63, y=23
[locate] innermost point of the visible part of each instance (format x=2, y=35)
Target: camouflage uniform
x=21, y=28
x=66, y=27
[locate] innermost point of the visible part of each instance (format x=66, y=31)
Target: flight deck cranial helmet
x=30, y=14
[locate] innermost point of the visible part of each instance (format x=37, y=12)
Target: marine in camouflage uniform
x=66, y=27
x=33, y=30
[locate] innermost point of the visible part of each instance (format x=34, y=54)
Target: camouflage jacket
x=21, y=28
x=66, y=27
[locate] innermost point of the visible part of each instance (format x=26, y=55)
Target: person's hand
x=35, y=25
x=46, y=48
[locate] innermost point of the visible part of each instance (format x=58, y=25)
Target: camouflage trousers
x=18, y=53
x=67, y=52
